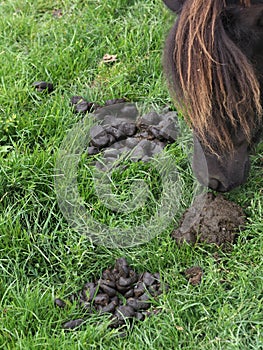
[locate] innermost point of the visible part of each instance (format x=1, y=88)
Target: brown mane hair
x=215, y=84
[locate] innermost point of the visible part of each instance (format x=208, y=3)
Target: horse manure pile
x=194, y=275
x=120, y=130
x=211, y=219
x=43, y=86
x=121, y=292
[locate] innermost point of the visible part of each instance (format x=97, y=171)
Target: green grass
x=41, y=257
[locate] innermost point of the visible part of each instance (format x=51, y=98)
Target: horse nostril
x=213, y=184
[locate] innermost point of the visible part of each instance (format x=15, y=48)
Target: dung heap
x=211, y=219
x=121, y=292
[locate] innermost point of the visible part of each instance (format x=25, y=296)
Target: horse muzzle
x=221, y=173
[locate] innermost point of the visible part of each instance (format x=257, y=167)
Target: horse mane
x=214, y=83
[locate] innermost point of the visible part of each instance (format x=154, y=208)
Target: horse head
x=213, y=60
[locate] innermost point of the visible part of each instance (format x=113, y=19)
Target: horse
x=213, y=62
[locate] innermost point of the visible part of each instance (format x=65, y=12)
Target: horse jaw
x=221, y=173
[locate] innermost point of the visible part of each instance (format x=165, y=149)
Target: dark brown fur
x=212, y=80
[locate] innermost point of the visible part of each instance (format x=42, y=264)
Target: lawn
x=41, y=256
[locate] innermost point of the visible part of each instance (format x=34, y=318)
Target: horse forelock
x=214, y=82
